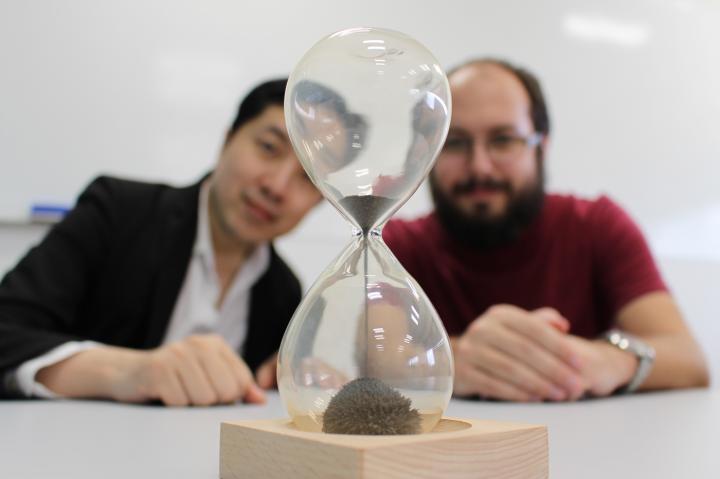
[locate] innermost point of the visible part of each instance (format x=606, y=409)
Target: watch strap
x=644, y=353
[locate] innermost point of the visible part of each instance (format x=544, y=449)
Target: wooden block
x=456, y=448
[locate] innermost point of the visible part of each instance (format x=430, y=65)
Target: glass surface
x=367, y=111
x=365, y=352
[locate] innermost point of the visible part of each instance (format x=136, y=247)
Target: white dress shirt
x=196, y=310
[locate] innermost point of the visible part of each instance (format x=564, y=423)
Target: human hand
x=199, y=370
x=266, y=374
x=603, y=367
x=513, y=354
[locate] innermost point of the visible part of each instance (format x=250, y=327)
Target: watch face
x=628, y=342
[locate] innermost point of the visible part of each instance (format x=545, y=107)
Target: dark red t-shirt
x=585, y=258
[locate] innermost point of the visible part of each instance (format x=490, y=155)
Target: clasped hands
x=512, y=354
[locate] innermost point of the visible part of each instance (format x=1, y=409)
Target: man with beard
x=149, y=292
x=544, y=296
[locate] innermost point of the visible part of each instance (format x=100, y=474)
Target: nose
x=480, y=161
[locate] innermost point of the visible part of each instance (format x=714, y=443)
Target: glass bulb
x=367, y=111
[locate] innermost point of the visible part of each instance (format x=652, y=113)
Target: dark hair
x=538, y=108
x=266, y=94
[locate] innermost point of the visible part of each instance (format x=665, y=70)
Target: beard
x=479, y=230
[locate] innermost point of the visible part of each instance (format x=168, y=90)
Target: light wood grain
x=457, y=448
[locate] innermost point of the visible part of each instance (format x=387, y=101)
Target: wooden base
x=456, y=448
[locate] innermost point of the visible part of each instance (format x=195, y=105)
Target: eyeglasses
x=501, y=148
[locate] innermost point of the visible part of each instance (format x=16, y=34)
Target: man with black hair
x=147, y=292
x=544, y=296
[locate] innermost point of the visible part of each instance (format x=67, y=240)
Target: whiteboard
x=145, y=89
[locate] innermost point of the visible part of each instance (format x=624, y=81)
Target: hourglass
x=367, y=111
x=365, y=354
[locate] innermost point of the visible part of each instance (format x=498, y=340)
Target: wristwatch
x=644, y=353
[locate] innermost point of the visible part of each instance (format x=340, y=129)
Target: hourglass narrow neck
x=368, y=212
x=372, y=233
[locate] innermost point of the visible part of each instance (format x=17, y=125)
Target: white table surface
x=658, y=435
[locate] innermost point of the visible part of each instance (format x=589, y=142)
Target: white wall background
x=146, y=88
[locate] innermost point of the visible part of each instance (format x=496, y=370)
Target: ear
x=544, y=145
x=228, y=136
x=320, y=198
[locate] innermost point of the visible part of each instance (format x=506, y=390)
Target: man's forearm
x=656, y=319
x=679, y=363
x=93, y=373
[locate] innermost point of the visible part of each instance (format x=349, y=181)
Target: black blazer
x=111, y=272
